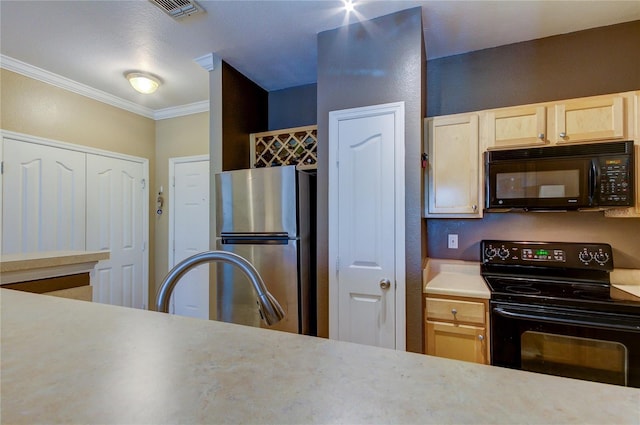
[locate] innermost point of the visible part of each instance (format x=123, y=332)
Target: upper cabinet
x=589, y=119
x=453, y=169
x=516, y=127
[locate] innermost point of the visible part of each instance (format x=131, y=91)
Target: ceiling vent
x=178, y=9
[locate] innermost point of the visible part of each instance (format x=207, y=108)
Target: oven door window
x=574, y=357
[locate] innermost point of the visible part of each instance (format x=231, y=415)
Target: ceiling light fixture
x=143, y=82
x=348, y=6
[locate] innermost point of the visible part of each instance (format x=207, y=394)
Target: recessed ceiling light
x=348, y=6
x=143, y=82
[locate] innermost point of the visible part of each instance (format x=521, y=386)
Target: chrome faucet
x=268, y=307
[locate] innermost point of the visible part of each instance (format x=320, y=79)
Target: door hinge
x=173, y=181
x=144, y=183
x=2, y=167
x=144, y=246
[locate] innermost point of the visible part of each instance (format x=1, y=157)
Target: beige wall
x=175, y=137
x=38, y=109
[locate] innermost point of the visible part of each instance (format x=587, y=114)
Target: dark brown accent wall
x=584, y=63
x=597, y=61
x=375, y=62
x=245, y=111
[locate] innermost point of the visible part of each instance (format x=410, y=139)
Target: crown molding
x=208, y=61
x=180, y=111
x=47, y=77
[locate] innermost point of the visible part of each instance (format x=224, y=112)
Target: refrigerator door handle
x=255, y=239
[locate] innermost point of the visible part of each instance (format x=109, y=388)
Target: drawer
x=465, y=311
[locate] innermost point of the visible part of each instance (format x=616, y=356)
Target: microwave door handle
x=594, y=180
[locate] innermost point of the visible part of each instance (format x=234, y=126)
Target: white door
x=189, y=232
x=115, y=196
x=44, y=198
x=366, y=225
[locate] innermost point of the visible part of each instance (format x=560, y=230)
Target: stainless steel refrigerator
x=267, y=215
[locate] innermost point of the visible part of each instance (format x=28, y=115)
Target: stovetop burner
x=548, y=288
x=571, y=275
x=522, y=289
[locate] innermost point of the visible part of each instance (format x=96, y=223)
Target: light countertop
x=462, y=278
x=42, y=265
x=36, y=260
x=625, y=284
x=454, y=277
x=66, y=361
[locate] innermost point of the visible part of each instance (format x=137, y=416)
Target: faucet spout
x=268, y=307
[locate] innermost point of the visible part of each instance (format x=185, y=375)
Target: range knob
x=601, y=257
x=585, y=256
x=490, y=253
x=503, y=253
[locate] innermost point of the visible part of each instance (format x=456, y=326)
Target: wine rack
x=290, y=146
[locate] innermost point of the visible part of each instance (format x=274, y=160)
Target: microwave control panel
x=616, y=187
x=548, y=254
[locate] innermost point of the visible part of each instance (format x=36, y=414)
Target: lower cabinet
x=457, y=328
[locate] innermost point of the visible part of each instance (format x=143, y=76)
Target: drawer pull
x=454, y=312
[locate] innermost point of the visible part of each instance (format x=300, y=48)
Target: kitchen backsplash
x=622, y=234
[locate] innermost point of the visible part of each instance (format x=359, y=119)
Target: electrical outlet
x=452, y=241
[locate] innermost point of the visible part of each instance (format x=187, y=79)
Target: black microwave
x=570, y=177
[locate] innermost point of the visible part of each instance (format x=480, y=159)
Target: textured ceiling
x=272, y=42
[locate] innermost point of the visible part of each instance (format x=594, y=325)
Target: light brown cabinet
x=517, y=127
x=590, y=119
x=582, y=120
x=457, y=328
x=453, y=172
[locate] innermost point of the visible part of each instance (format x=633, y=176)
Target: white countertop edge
x=454, y=277
x=43, y=265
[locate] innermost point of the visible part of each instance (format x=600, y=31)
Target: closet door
x=366, y=225
x=115, y=189
x=43, y=198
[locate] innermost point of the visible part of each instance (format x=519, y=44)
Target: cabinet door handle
x=481, y=337
x=541, y=136
x=563, y=135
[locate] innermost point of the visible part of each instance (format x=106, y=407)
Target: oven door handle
x=565, y=321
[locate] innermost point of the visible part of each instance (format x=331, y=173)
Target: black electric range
x=551, y=311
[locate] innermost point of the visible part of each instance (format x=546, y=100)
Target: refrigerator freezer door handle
x=254, y=238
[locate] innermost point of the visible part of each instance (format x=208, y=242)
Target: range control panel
x=548, y=254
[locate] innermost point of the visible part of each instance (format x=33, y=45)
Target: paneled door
x=189, y=232
x=115, y=189
x=43, y=198
x=366, y=225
